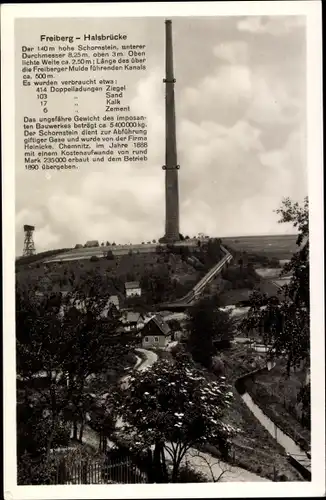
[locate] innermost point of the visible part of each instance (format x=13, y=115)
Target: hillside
x=276, y=246
x=110, y=275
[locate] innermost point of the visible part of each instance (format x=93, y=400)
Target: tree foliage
x=172, y=408
x=207, y=324
x=285, y=319
x=66, y=341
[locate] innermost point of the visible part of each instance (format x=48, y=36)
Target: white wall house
x=156, y=333
x=132, y=320
x=132, y=289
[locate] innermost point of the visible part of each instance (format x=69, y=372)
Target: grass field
x=278, y=246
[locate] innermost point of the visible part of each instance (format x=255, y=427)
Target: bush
x=62, y=437
x=188, y=475
x=109, y=255
x=218, y=366
x=31, y=471
x=94, y=258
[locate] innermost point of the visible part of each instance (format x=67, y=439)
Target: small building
x=156, y=332
x=92, y=243
x=112, y=304
x=114, y=301
x=132, y=320
x=132, y=289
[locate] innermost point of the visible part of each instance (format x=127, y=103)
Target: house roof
x=113, y=299
x=161, y=324
x=132, y=284
x=132, y=317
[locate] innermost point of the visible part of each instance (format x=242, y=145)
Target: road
x=141, y=365
x=151, y=358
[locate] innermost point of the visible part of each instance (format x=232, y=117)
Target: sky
x=241, y=135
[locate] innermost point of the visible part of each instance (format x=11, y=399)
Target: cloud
x=222, y=95
x=276, y=26
x=235, y=52
x=240, y=146
x=288, y=165
x=45, y=238
x=236, y=89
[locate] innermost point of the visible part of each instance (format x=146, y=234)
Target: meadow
x=275, y=246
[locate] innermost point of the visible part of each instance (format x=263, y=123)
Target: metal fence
x=92, y=472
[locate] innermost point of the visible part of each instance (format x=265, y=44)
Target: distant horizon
x=286, y=235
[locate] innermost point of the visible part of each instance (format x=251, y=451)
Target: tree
x=67, y=340
x=93, y=348
x=303, y=397
x=185, y=253
x=157, y=285
x=207, y=323
x=109, y=255
x=285, y=319
x=173, y=408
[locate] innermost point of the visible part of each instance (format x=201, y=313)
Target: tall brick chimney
x=171, y=166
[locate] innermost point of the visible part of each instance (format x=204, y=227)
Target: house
x=132, y=289
x=92, y=243
x=156, y=332
x=113, y=301
x=132, y=320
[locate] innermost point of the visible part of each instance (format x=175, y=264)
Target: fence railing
x=92, y=472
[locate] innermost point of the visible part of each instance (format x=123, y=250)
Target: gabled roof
x=113, y=299
x=132, y=284
x=161, y=324
x=132, y=317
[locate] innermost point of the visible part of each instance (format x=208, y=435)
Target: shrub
x=218, y=366
x=94, y=258
x=188, y=475
x=31, y=471
x=109, y=255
